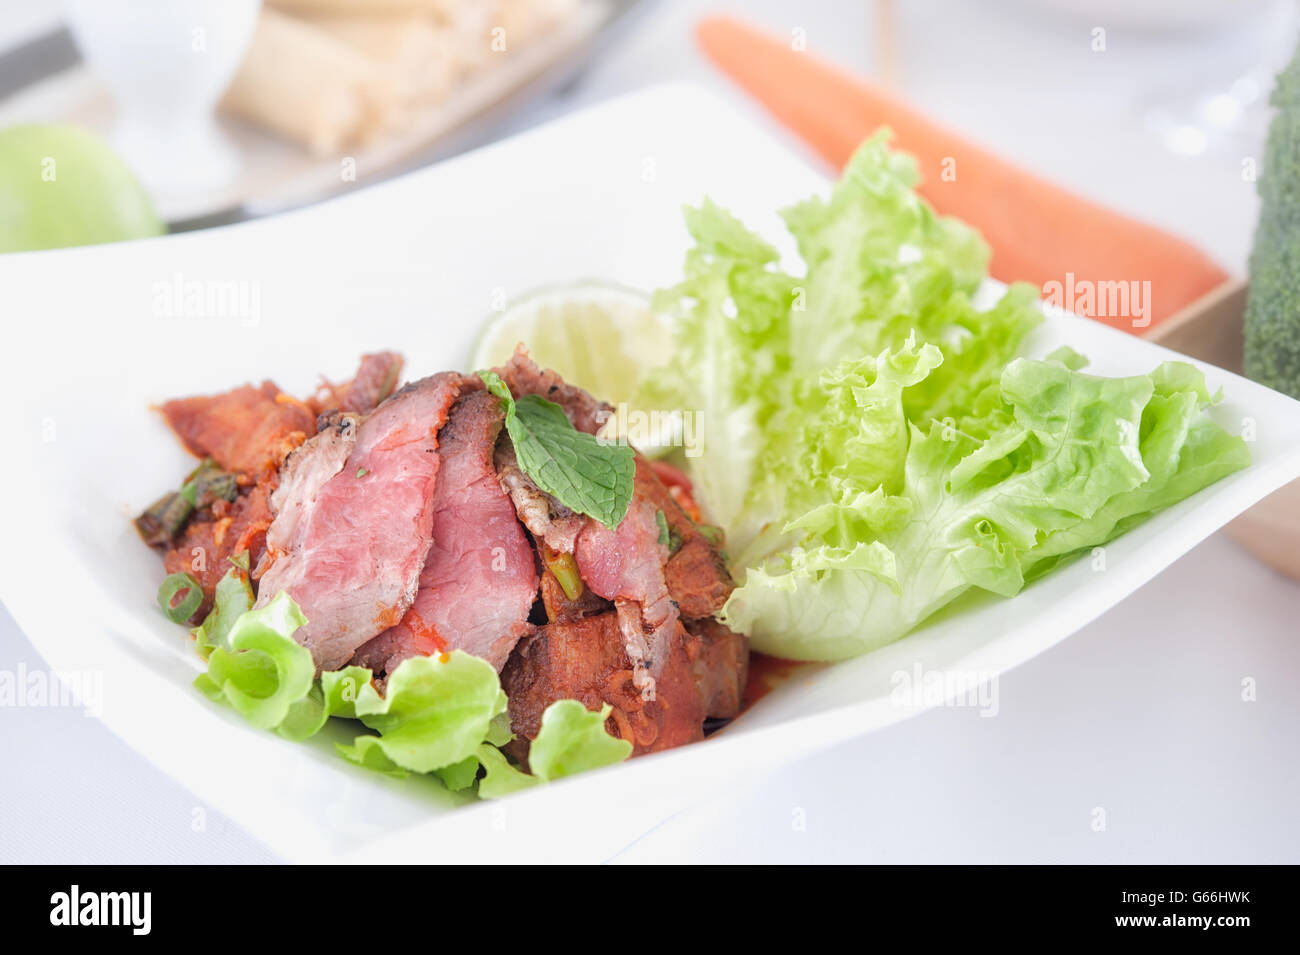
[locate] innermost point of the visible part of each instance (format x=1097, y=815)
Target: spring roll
x=525, y=20
x=419, y=57
x=304, y=84
x=445, y=11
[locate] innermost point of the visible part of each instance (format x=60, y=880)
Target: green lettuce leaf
x=444, y=715
x=264, y=672
x=233, y=597
x=732, y=312
x=881, y=269
x=874, y=444
x=501, y=777
x=435, y=711
x=572, y=739
x=1066, y=461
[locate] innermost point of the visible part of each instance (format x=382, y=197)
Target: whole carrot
x=1088, y=258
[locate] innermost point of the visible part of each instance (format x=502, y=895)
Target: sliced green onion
x=390, y=382
x=565, y=570
x=662, y=521
x=167, y=516
x=208, y=483
x=164, y=519
x=668, y=536
x=174, y=584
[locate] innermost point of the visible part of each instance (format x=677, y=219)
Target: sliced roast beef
x=354, y=520
x=626, y=565
x=374, y=381
x=303, y=476
x=584, y=660
x=480, y=578
x=247, y=430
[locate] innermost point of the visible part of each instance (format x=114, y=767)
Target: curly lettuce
x=875, y=445
x=444, y=715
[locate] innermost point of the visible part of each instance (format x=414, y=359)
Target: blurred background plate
x=46, y=80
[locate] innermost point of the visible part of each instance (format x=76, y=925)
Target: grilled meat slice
x=354, y=520
x=720, y=664
x=696, y=573
x=584, y=660
x=305, y=473
x=248, y=430
x=523, y=377
x=697, y=578
x=374, y=381
x=220, y=532
x=480, y=578
x=626, y=565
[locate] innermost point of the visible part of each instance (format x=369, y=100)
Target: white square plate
x=415, y=264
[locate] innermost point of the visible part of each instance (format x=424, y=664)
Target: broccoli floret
x=1273, y=309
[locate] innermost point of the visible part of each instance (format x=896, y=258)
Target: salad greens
x=577, y=469
x=874, y=444
x=444, y=715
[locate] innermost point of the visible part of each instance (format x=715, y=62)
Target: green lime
x=603, y=338
x=62, y=186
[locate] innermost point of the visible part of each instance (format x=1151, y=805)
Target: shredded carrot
x=686, y=501
x=625, y=730
x=219, y=531
x=254, y=528
x=647, y=730
x=425, y=631
x=388, y=617
x=284, y=399
x=619, y=682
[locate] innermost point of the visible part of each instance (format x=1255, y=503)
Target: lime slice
x=603, y=338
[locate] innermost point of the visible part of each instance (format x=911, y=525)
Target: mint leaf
x=582, y=473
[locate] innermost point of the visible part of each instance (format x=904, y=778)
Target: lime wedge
x=601, y=337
